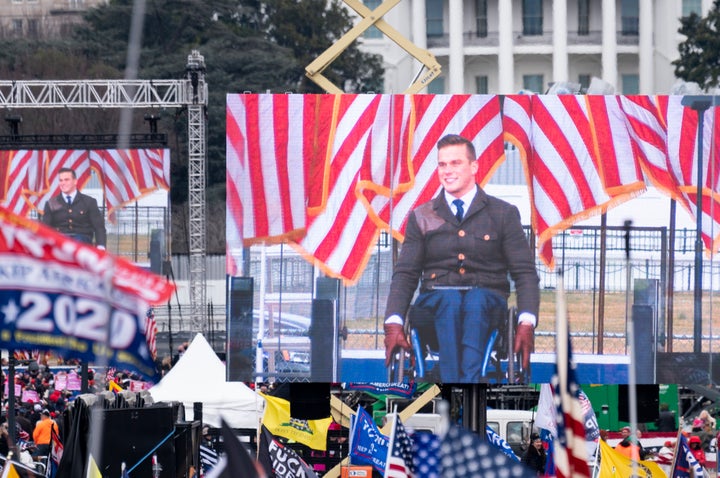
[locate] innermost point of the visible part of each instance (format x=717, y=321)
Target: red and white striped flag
x=129, y=174
x=580, y=163
x=21, y=172
x=366, y=156
x=665, y=134
x=570, y=451
x=683, y=160
x=269, y=145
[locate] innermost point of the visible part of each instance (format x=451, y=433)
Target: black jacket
x=81, y=217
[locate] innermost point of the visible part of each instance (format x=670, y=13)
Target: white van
x=513, y=426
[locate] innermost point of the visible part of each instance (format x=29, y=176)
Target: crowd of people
x=41, y=401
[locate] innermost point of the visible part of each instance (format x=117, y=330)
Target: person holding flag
x=535, y=457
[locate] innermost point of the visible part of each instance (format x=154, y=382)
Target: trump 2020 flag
x=686, y=466
x=368, y=446
x=75, y=299
x=463, y=454
x=498, y=442
x=570, y=451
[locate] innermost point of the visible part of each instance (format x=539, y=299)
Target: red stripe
x=545, y=120
x=254, y=166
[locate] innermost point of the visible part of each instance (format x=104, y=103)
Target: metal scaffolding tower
x=190, y=93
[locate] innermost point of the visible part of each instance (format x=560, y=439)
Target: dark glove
x=525, y=343
x=394, y=337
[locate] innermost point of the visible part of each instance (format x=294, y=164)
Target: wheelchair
x=421, y=363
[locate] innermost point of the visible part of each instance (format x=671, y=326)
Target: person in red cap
x=696, y=449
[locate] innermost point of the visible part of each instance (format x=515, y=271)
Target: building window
x=481, y=85
x=691, y=6
x=437, y=86
x=533, y=83
x=532, y=17
x=583, y=17
x=481, y=24
x=33, y=28
x=434, y=13
x=584, y=81
x=17, y=26
x=630, y=85
x=629, y=17
x=372, y=32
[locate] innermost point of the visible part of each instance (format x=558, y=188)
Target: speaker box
x=648, y=403
x=309, y=401
x=643, y=316
x=157, y=250
x=240, y=351
x=322, y=331
x=130, y=434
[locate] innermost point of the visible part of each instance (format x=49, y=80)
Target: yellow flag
x=615, y=465
x=277, y=420
x=9, y=471
x=114, y=387
x=92, y=469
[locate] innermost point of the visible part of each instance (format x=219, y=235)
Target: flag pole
x=632, y=373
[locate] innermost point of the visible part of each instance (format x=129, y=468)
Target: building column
x=560, y=53
x=419, y=24
x=456, y=55
x=646, y=49
x=418, y=28
x=506, y=62
x=609, y=44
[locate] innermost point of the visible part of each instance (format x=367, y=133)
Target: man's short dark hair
x=455, y=139
x=68, y=170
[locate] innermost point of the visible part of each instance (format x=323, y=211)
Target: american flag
x=339, y=168
x=151, y=332
x=571, y=460
x=578, y=156
x=686, y=465
x=463, y=454
x=399, y=463
x=28, y=178
x=426, y=454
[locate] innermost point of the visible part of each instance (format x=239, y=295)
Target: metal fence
x=595, y=276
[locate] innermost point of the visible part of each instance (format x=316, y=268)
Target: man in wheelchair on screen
x=460, y=247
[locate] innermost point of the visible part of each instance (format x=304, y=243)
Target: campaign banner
x=30, y=396
x=79, y=301
x=497, y=441
x=405, y=390
x=368, y=445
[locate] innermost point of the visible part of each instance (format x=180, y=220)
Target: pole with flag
x=399, y=463
x=570, y=451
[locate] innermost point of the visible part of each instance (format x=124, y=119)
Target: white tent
x=199, y=376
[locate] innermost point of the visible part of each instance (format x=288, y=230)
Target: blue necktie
x=459, y=205
x=69, y=199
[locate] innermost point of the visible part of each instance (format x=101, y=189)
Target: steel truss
x=190, y=93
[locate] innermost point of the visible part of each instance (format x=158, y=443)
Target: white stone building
x=505, y=46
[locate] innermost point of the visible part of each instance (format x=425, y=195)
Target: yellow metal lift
x=369, y=18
